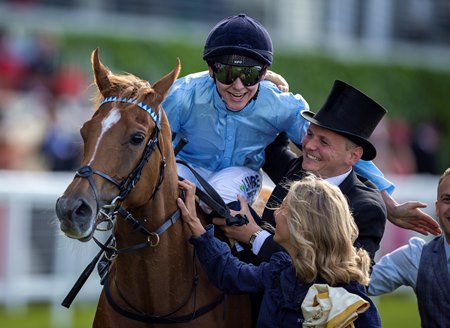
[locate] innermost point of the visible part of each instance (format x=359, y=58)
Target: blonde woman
x=315, y=226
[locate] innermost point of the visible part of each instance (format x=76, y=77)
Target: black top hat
x=351, y=113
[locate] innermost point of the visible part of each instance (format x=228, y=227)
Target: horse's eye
x=137, y=139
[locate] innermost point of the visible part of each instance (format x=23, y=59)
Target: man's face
x=236, y=95
x=328, y=154
x=443, y=206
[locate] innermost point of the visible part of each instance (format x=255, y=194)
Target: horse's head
x=126, y=141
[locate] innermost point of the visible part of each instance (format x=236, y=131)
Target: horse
x=128, y=178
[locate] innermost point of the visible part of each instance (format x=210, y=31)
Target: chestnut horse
x=129, y=177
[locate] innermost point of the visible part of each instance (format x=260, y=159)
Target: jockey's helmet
x=239, y=35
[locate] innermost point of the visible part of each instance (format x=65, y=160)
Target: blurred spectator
x=41, y=66
x=9, y=158
x=69, y=81
x=12, y=67
x=380, y=139
x=426, y=147
x=61, y=147
x=393, y=139
x=402, y=159
x=42, y=98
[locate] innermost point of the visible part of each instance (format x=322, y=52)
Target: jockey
x=230, y=113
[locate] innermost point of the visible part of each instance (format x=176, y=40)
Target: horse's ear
x=100, y=74
x=163, y=85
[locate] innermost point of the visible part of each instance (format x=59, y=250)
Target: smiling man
x=423, y=266
x=337, y=138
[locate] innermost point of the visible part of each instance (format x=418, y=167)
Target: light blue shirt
x=399, y=268
x=219, y=138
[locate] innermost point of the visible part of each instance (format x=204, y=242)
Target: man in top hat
x=335, y=140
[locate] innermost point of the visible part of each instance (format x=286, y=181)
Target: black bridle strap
x=132, y=179
x=174, y=217
x=87, y=172
x=142, y=317
x=82, y=278
x=138, y=226
x=213, y=199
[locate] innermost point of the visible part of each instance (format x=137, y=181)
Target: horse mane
x=124, y=85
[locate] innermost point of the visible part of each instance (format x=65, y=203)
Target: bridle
x=110, y=211
x=132, y=179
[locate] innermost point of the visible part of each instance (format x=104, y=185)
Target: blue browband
x=156, y=118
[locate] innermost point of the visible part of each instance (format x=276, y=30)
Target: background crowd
x=42, y=105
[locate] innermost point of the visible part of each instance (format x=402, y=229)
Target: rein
x=109, y=250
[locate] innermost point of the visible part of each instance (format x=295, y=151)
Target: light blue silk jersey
x=219, y=138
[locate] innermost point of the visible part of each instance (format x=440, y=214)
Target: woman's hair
x=322, y=232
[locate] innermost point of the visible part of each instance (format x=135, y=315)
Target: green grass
x=397, y=310
x=40, y=316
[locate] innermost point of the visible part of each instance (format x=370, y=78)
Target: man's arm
x=398, y=268
x=267, y=249
x=278, y=158
x=370, y=217
x=409, y=216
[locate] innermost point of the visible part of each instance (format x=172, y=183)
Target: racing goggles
x=227, y=74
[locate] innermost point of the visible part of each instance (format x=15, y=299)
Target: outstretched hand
x=241, y=233
x=410, y=216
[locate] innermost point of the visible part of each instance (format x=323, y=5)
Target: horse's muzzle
x=77, y=217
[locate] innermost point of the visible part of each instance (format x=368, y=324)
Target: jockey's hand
x=241, y=233
x=409, y=216
x=278, y=80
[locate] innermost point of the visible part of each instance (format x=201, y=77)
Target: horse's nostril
x=83, y=210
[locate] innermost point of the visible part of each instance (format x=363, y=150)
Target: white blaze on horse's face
x=108, y=122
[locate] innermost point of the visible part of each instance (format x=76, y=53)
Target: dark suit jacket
x=366, y=203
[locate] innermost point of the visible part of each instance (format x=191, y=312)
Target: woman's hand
x=240, y=233
x=188, y=208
